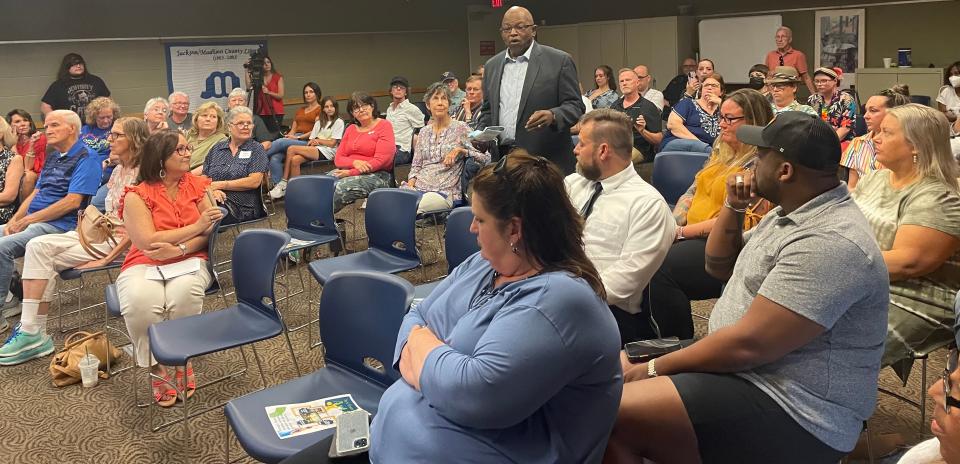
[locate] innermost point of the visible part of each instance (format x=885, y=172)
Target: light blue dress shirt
x=529, y=373
x=511, y=89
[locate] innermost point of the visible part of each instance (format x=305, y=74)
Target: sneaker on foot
x=11, y=308
x=44, y=347
x=20, y=341
x=278, y=190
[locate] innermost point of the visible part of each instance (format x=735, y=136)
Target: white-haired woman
x=155, y=114
x=236, y=166
x=238, y=97
x=913, y=206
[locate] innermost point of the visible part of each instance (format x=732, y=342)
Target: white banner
x=207, y=71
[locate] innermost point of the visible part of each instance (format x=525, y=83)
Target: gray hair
x=787, y=30
x=68, y=117
x=237, y=111
x=238, y=92
x=153, y=101
x=435, y=88
x=178, y=93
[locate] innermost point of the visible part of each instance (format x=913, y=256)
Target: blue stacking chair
x=459, y=243
x=309, y=208
x=362, y=312
x=674, y=171
x=112, y=299
x=254, y=318
x=391, y=227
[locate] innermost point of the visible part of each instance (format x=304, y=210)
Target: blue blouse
x=703, y=125
x=222, y=164
x=529, y=372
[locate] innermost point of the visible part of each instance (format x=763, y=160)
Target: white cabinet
x=921, y=81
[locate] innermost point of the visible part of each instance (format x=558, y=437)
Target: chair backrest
x=391, y=221
x=211, y=252
x=459, y=242
x=921, y=99
x=360, y=317
x=309, y=204
x=255, y=256
x=673, y=172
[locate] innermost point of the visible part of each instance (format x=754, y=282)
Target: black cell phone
x=643, y=351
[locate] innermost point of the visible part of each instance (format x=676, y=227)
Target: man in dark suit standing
x=531, y=90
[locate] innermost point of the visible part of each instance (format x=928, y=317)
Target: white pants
x=144, y=302
x=49, y=254
x=433, y=201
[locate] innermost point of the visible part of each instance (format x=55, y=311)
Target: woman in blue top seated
x=513, y=358
x=693, y=125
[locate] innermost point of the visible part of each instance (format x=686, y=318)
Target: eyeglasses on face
x=730, y=119
x=242, y=124
x=518, y=27
x=361, y=108
x=115, y=135
x=183, y=150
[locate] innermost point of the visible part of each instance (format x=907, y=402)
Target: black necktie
x=588, y=208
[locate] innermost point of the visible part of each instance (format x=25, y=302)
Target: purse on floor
x=95, y=227
x=65, y=365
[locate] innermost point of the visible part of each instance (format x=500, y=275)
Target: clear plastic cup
x=887, y=62
x=89, y=366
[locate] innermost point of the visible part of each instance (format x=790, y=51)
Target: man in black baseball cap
x=797, y=158
x=456, y=93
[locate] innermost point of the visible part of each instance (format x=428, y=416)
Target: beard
x=589, y=172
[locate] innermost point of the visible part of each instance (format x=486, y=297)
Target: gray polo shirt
x=821, y=262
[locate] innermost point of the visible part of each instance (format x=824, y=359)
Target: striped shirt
x=861, y=155
x=511, y=88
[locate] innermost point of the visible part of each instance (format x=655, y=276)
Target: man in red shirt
x=786, y=55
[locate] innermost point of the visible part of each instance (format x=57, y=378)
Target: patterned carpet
x=102, y=425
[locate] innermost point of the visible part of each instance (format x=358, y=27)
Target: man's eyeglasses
x=518, y=27
x=184, y=150
x=115, y=135
x=242, y=125
x=730, y=119
x=950, y=402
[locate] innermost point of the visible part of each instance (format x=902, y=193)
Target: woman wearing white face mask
x=948, y=100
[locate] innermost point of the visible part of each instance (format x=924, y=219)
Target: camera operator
x=267, y=84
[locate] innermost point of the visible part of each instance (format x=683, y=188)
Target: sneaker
x=11, y=308
x=278, y=190
x=44, y=347
x=20, y=342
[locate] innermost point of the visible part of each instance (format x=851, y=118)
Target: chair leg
x=226, y=444
x=256, y=357
x=286, y=335
x=923, y=393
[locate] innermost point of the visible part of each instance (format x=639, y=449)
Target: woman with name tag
x=236, y=166
x=168, y=216
x=47, y=255
x=513, y=357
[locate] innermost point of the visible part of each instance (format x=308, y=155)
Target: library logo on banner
x=207, y=71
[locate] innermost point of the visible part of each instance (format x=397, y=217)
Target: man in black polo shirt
x=646, y=121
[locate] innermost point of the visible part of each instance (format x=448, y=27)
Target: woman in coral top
x=168, y=216
x=364, y=158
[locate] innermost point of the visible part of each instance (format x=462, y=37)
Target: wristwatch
x=651, y=369
x=183, y=249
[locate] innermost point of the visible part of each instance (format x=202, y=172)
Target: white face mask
x=954, y=81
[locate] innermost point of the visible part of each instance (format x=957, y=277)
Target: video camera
x=254, y=67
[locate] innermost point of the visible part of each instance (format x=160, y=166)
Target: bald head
x=644, y=75
x=517, y=30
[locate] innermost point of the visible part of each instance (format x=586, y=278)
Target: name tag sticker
x=245, y=154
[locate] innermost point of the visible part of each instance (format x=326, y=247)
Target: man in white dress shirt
x=628, y=226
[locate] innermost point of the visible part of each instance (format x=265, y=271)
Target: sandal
x=163, y=393
x=191, y=386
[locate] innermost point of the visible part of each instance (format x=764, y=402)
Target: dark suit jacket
x=550, y=84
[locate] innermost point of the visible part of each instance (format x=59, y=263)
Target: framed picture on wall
x=840, y=41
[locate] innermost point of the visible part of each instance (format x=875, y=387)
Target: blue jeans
x=277, y=154
x=687, y=145
x=14, y=246
x=100, y=199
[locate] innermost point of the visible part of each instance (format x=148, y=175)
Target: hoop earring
x=514, y=249
x=163, y=173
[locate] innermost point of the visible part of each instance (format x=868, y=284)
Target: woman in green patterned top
x=913, y=206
